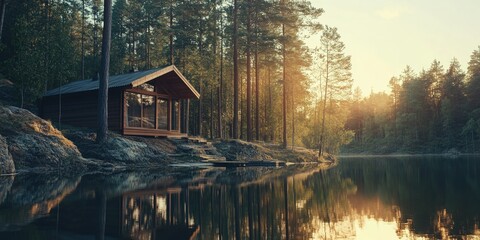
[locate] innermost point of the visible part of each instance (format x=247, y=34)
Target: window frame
x=156, y=96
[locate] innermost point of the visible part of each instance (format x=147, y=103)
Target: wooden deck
x=152, y=132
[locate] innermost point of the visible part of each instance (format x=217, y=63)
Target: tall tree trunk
x=322, y=133
x=104, y=68
x=292, y=96
x=270, y=122
x=249, y=83
x=3, y=4
x=265, y=114
x=95, y=41
x=220, y=89
x=147, y=43
x=211, y=113
x=257, y=81
x=134, y=48
x=47, y=43
x=219, y=113
x=200, y=88
x=257, y=96
x=242, y=116
x=235, y=71
x=171, y=33
x=83, y=39
x=284, y=98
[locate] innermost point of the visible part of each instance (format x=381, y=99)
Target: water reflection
x=408, y=198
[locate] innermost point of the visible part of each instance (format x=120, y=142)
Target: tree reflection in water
x=360, y=199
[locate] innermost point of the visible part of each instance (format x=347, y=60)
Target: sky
x=384, y=36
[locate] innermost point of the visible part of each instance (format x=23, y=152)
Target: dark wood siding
x=152, y=132
x=80, y=109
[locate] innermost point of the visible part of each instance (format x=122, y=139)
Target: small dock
x=221, y=163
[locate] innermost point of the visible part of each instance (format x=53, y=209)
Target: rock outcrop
x=33, y=142
x=238, y=150
x=118, y=149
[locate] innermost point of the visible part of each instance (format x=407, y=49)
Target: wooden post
x=182, y=115
x=187, y=118
x=169, y=111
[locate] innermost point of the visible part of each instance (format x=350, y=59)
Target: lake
x=359, y=198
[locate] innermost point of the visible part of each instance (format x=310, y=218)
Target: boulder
x=117, y=149
x=6, y=161
x=238, y=150
x=34, y=142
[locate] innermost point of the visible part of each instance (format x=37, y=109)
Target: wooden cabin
x=145, y=103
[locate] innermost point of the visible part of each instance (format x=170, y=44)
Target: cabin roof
x=174, y=80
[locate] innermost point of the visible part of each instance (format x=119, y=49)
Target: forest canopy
x=258, y=79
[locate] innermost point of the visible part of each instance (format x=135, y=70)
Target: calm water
x=371, y=198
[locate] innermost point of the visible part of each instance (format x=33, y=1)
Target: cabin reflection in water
x=361, y=200
x=157, y=214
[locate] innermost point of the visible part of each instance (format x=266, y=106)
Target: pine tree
x=104, y=74
x=336, y=72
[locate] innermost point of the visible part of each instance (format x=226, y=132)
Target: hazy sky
x=383, y=36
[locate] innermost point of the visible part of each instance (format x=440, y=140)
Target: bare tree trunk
x=242, y=116
x=265, y=114
x=220, y=89
x=211, y=113
x=284, y=99
x=271, y=128
x=83, y=39
x=199, y=115
x=200, y=87
x=147, y=43
x=322, y=133
x=47, y=44
x=171, y=33
x=235, y=71
x=257, y=92
x=3, y=4
x=95, y=40
x=219, y=113
x=293, y=117
x=249, y=84
x=104, y=68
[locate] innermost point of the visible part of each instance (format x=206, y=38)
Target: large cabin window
x=151, y=111
x=134, y=109
x=175, y=114
x=140, y=110
x=162, y=113
x=148, y=118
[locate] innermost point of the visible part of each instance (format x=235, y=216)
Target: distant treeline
x=434, y=111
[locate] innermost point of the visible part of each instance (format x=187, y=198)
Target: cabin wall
x=80, y=109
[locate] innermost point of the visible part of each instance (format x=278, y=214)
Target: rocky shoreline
x=31, y=144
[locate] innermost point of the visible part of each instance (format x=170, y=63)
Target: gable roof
x=170, y=73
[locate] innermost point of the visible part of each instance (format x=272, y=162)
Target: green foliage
x=40, y=52
x=335, y=85
x=431, y=112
